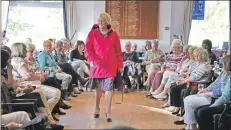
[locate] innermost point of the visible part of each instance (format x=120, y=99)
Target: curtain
x=70, y=20
x=229, y=25
x=6, y=7
x=188, y=8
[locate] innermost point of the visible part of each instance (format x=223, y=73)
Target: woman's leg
x=80, y=71
x=190, y=104
x=156, y=82
x=19, y=117
x=205, y=116
x=66, y=80
x=98, y=94
x=108, y=99
x=52, y=94
x=45, y=110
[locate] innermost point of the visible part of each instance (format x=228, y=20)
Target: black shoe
x=57, y=127
x=57, y=110
x=96, y=115
x=81, y=90
x=175, y=113
x=63, y=105
x=179, y=122
x=55, y=118
x=108, y=119
x=126, y=90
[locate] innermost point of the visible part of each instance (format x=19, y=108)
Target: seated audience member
x=181, y=68
x=27, y=91
x=169, y=67
x=61, y=58
x=129, y=58
x=50, y=81
x=79, y=61
x=171, y=60
x=199, y=72
x=207, y=44
x=153, y=59
x=66, y=47
x=219, y=88
x=148, y=45
x=47, y=60
x=15, y=120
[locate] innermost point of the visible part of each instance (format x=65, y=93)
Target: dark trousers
x=175, y=94
x=126, y=78
x=39, y=102
x=204, y=116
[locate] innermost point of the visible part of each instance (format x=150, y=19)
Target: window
x=215, y=25
x=39, y=20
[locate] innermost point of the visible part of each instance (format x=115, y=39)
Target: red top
x=105, y=52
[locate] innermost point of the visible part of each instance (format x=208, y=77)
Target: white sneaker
x=155, y=92
x=160, y=96
x=170, y=109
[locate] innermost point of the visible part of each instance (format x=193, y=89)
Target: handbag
x=118, y=84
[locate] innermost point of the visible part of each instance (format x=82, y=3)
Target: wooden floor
x=136, y=111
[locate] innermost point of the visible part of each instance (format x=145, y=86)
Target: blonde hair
x=105, y=16
x=201, y=52
x=18, y=49
x=191, y=49
x=226, y=62
x=30, y=47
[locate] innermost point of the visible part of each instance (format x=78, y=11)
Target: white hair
x=30, y=47
x=105, y=16
x=58, y=42
x=28, y=40
x=177, y=41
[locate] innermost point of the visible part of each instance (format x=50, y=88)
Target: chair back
x=6, y=98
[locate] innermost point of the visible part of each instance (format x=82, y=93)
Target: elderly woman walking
x=103, y=52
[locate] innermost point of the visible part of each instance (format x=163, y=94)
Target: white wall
x=170, y=13
x=0, y=16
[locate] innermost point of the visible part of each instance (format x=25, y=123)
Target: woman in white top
x=25, y=75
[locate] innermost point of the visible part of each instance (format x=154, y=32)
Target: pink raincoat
x=104, y=52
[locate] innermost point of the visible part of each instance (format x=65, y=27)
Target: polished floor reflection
x=136, y=111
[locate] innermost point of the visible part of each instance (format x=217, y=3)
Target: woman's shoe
x=96, y=115
x=108, y=119
x=64, y=105
x=179, y=122
x=176, y=111
x=81, y=90
x=164, y=105
x=148, y=95
x=55, y=118
x=57, y=127
x=57, y=110
x=73, y=94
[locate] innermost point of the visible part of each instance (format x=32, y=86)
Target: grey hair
x=30, y=47
x=28, y=40
x=156, y=41
x=65, y=40
x=18, y=49
x=58, y=42
x=128, y=43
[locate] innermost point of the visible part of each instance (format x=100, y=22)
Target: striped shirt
x=200, y=72
x=172, y=61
